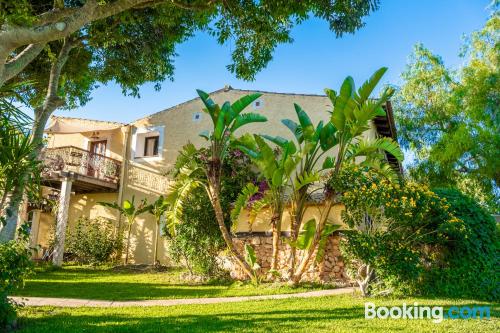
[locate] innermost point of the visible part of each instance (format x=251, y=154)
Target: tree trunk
x=128, y=243
x=276, y=223
x=298, y=209
x=8, y=231
x=297, y=276
x=155, y=256
x=365, y=275
x=42, y=114
x=219, y=215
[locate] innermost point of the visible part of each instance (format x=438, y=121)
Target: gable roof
x=68, y=125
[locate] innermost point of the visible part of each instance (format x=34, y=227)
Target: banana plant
x=130, y=211
x=158, y=210
x=277, y=170
x=251, y=260
x=313, y=143
x=226, y=119
x=352, y=114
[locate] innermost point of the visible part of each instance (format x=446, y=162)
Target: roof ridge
x=227, y=88
x=88, y=119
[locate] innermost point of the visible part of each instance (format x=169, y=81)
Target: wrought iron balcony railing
x=81, y=161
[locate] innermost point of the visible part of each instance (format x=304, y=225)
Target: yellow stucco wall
x=114, y=139
x=145, y=177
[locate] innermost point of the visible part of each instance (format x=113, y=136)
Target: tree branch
x=20, y=61
x=52, y=100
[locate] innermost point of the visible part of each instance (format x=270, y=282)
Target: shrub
x=396, y=230
x=468, y=267
x=15, y=266
x=94, y=241
x=198, y=241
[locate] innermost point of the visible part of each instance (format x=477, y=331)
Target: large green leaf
x=243, y=102
x=306, y=179
x=205, y=134
x=227, y=112
x=241, y=202
x=328, y=229
x=332, y=95
x=277, y=179
x=209, y=104
x=268, y=163
x=346, y=94
x=306, y=235
x=365, y=147
x=367, y=88
x=305, y=122
x=247, y=118
x=251, y=258
x=220, y=126
x=328, y=163
x=278, y=140
x=328, y=138
x=295, y=128
x=178, y=194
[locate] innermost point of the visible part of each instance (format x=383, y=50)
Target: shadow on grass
x=218, y=322
x=124, y=291
x=229, y=319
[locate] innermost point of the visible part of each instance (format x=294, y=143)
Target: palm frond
x=247, y=118
x=178, y=193
x=306, y=179
x=366, y=147
x=367, y=88
x=241, y=202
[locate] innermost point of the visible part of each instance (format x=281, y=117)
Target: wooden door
x=96, y=158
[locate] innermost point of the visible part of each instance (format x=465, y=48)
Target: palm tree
x=226, y=119
x=276, y=169
x=352, y=114
x=130, y=212
x=157, y=209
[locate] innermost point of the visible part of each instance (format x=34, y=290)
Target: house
x=91, y=161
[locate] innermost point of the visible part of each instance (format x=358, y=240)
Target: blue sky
x=315, y=60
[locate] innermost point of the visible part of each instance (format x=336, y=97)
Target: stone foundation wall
x=330, y=269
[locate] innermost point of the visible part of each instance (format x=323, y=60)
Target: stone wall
x=330, y=269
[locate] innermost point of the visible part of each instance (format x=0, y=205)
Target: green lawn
x=327, y=314
x=111, y=284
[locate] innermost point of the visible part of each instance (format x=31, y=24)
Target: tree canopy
x=256, y=27
x=450, y=117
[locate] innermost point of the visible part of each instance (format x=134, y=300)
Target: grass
x=327, y=314
x=111, y=284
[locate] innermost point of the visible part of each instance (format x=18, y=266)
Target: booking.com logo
x=415, y=311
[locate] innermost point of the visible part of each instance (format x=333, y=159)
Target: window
x=258, y=104
x=147, y=143
x=151, y=146
x=197, y=117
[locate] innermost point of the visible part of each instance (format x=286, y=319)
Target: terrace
x=89, y=172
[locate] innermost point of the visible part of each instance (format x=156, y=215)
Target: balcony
x=89, y=172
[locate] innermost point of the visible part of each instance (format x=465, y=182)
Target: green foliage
x=15, y=267
x=450, y=119
x=351, y=115
x=242, y=201
x=398, y=230
x=130, y=212
x=94, y=241
x=250, y=257
x=197, y=241
x=469, y=265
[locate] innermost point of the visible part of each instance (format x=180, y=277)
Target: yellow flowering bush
x=396, y=228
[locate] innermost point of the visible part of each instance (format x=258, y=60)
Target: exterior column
x=34, y=230
x=62, y=221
